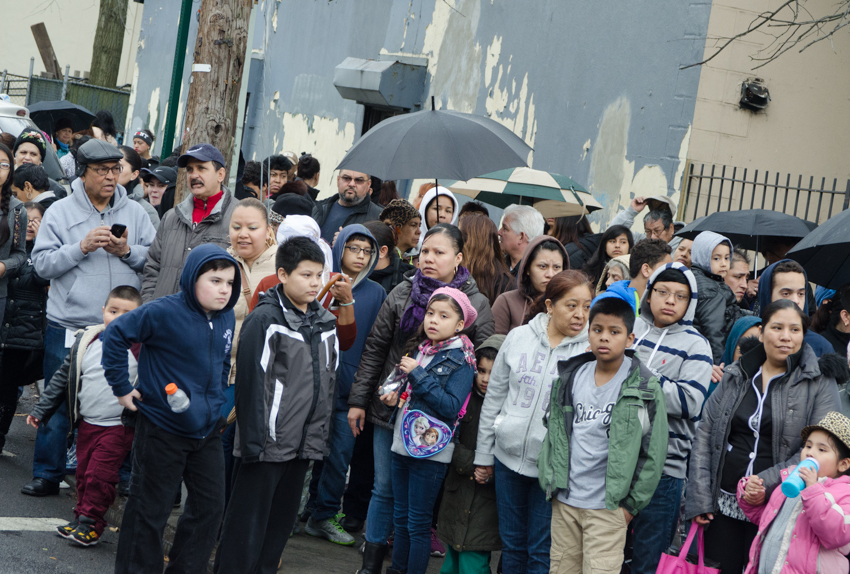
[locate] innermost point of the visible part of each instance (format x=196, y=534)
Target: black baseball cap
x=165, y=174
x=201, y=152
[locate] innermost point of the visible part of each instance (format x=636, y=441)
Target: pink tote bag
x=679, y=564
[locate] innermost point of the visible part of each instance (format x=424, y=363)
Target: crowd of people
x=569, y=398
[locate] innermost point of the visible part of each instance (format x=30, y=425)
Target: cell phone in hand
x=118, y=230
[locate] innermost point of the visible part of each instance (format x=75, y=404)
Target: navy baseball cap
x=201, y=152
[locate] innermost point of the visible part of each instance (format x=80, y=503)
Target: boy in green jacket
x=606, y=446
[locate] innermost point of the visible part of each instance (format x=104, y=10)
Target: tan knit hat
x=835, y=424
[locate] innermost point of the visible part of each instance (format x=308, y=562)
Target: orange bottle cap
x=170, y=388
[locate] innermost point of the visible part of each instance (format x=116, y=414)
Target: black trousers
x=160, y=461
x=361, y=477
x=728, y=541
x=260, y=515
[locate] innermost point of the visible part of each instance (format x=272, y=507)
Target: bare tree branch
x=791, y=25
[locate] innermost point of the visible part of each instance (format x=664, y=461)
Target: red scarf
x=431, y=348
x=204, y=207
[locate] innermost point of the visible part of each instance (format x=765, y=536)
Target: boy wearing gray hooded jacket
x=669, y=346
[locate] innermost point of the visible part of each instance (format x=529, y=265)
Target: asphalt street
x=29, y=543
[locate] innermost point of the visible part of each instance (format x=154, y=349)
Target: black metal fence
x=709, y=188
x=25, y=90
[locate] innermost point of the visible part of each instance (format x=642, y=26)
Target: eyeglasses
x=103, y=171
x=5, y=166
x=664, y=294
x=347, y=179
x=358, y=250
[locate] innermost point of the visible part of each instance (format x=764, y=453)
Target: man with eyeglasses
x=657, y=224
x=88, y=243
x=350, y=205
x=202, y=217
x=680, y=357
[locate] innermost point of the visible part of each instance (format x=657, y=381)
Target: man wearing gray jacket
x=90, y=242
x=202, y=217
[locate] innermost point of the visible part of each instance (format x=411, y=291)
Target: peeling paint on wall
x=680, y=170
x=609, y=169
x=153, y=109
x=324, y=137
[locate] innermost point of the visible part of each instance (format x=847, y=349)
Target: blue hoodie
x=180, y=344
x=818, y=344
x=368, y=297
x=622, y=290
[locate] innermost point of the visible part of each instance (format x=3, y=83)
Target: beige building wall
x=805, y=130
x=71, y=25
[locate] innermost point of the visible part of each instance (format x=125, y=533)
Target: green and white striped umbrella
x=552, y=194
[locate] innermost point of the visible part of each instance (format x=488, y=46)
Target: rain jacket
x=382, y=351
x=368, y=298
x=423, y=207
x=511, y=428
x=817, y=342
x=286, y=381
x=80, y=283
x=181, y=344
x=637, y=444
x=510, y=308
x=175, y=239
x=717, y=309
x=802, y=397
x=26, y=308
x=821, y=533
x=680, y=358
x=579, y=256
x=13, y=253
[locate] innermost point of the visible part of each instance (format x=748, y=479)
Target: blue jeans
x=655, y=526
x=51, y=440
x=525, y=520
x=379, y=521
x=416, y=483
x=332, y=482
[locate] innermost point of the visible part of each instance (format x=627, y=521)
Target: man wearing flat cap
x=84, y=260
x=202, y=217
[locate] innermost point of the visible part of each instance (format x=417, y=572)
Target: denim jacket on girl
x=439, y=389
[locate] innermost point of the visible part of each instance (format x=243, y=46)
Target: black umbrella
x=436, y=144
x=46, y=114
x=748, y=228
x=825, y=252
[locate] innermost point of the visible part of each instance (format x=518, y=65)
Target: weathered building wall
x=595, y=87
x=804, y=129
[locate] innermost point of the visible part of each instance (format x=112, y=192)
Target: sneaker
x=68, y=530
x=330, y=530
x=437, y=548
x=85, y=534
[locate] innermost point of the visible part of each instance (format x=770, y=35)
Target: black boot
x=373, y=558
x=7, y=413
x=391, y=571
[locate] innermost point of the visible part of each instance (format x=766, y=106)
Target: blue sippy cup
x=794, y=485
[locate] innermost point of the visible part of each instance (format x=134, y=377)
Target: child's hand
x=127, y=400
x=407, y=364
x=390, y=399
x=809, y=476
x=754, y=491
x=33, y=422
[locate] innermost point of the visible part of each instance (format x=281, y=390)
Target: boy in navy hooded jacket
x=349, y=257
x=186, y=339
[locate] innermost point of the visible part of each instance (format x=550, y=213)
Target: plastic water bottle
x=794, y=485
x=177, y=399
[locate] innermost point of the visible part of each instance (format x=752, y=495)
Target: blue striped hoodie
x=681, y=359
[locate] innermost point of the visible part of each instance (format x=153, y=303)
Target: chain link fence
x=24, y=90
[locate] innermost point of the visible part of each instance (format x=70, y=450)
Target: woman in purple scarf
x=440, y=265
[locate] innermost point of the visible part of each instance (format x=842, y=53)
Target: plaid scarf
x=429, y=347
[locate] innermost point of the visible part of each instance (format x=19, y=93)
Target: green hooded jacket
x=637, y=445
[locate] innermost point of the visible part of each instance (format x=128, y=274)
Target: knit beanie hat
x=469, y=312
x=398, y=212
x=33, y=136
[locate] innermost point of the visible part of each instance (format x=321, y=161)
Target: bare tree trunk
x=108, y=43
x=213, y=102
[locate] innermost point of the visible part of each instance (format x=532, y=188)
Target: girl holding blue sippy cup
x=805, y=526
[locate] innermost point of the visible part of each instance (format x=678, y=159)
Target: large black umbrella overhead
x=436, y=144
x=748, y=228
x=46, y=114
x=825, y=252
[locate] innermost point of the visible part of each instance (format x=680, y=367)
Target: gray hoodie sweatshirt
x=79, y=283
x=511, y=424
x=681, y=359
